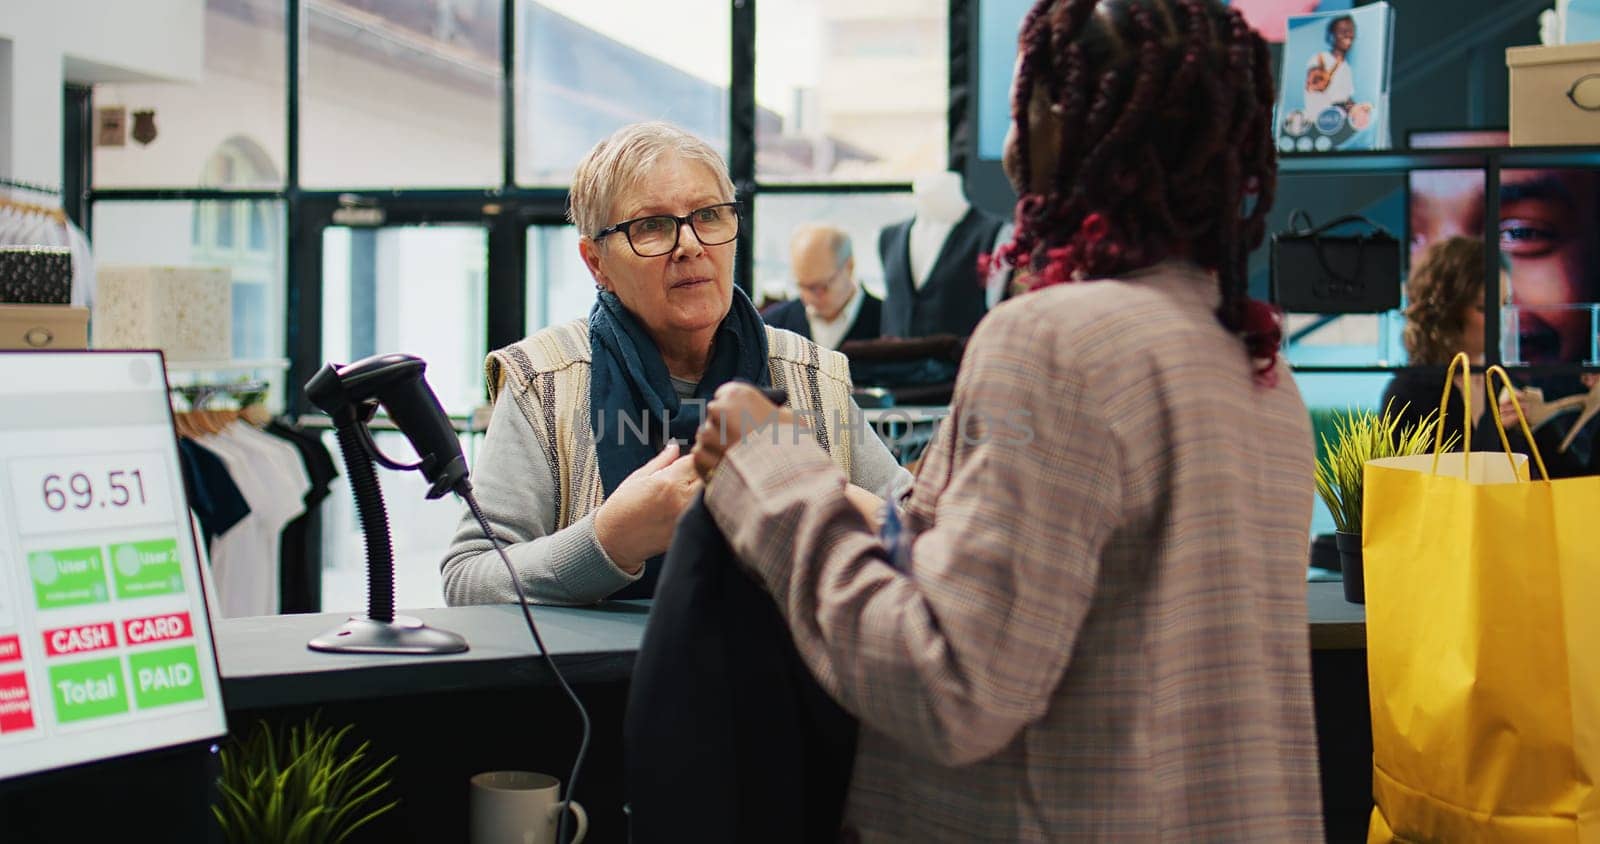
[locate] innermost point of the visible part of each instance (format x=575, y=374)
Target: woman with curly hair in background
x=1092, y=626
x=1444, y=318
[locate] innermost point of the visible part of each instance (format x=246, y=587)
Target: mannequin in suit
x=930, y=262
x=833, y=306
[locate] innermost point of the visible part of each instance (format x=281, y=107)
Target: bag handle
x=1505, y=380
x=1465, y=363
x=1300, y=219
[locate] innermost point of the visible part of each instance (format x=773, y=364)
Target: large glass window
x=414, y=289
x=560, y=288
x=823, y=68
x=860, y=215
x=400, y=93
x=586, y=69
x=239, y=99
x=419, y=290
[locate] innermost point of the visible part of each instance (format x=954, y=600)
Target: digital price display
x=105, y=643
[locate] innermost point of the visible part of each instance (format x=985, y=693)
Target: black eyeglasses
x=658, y=234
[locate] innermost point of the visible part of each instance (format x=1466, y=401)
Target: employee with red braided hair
x=1091, y=626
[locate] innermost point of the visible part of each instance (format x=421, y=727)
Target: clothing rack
x=55, y=212
x=29, y=186
x=247, y=381
x=475, y=424
x=244, y=393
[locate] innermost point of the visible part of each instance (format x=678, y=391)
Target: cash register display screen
x=105, y=647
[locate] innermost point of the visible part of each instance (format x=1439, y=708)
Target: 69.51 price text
x=121, y=488
x=72, y=492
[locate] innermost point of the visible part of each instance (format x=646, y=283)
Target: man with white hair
x=833, y=307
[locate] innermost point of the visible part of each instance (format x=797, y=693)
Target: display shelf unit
x=1491, y=160
x=1464, y=158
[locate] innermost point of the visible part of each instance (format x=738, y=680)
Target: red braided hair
x=1165, y=148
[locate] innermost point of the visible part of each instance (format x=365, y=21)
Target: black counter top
x=265, y=661
x=1336, y=624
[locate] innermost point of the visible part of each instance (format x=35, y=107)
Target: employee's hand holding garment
x=738, y=410
x=637, y=521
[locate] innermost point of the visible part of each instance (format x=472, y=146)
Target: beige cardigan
x=547, y=375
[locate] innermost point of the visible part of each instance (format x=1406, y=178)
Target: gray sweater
x=515, y=488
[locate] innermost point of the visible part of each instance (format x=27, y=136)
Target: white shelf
x=281, y=364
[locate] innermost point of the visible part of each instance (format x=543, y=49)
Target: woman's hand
x=637, y=520
x=868, y=505
x=735, y=410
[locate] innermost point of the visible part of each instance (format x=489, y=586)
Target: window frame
x=507, y=210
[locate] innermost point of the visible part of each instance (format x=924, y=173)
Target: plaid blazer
x=1101, y=632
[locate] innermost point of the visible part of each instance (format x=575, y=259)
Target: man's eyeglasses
x=818, y=288
x=658, y=234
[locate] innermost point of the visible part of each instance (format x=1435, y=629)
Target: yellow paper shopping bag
x=1483, y=648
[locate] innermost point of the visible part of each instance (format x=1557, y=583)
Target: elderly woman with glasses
x=585, y=467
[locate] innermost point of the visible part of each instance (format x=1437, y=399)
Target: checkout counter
x=82, y=768
x=497, y=705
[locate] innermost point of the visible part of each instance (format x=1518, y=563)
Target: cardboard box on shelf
x=186, y=312
x=1555, y=94
x=53, y=327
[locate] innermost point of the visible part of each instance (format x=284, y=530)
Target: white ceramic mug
x=520, y=807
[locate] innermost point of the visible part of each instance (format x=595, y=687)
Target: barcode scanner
x=351, y=395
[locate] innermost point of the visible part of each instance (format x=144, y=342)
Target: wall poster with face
x=1549, y=238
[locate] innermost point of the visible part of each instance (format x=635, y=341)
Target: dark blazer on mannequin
x=791, y=315
x=953, y=300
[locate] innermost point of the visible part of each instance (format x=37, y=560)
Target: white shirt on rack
x=245, y=561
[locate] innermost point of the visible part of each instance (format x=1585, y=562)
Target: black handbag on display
x=1314, y=272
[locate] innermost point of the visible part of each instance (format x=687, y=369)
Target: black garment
x=1414, y=395
x=791, y=315
x=727, y=737
x=299, y=566
x=213, y=496
x=953, y=300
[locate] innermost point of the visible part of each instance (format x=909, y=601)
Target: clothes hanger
x=1540, y=411
x=1591, y=406
x=56, y=214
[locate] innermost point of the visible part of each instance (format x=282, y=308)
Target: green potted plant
x=303, y=787
x=1360, y=436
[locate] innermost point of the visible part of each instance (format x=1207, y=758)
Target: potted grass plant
x=303, y=787
x=1360, y=436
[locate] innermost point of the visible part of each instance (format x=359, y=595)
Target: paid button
x=166, y=677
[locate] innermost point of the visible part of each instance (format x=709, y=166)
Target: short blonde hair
x=617, y=163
